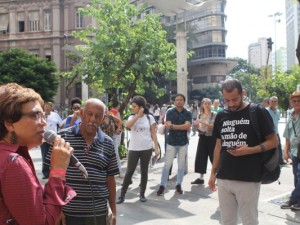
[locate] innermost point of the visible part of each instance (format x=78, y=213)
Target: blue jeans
x=181, y=160
x=295, y=196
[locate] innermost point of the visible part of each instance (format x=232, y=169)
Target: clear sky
x=247, y=21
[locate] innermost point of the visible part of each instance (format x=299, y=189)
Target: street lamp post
x=276, y=20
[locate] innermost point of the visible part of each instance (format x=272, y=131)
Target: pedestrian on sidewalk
x=53, y=123
x=74, y=118
x=142, y=128
x=238, y=163
x=95, y=150
x=178, y=122
x=24, y=201
x=114, y=111
x=206, y=144
x=275, y=114
x=292, y=150
x=112, y=125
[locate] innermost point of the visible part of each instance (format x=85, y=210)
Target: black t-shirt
x=234, y=128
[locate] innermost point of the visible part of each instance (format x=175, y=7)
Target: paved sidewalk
x=198, y=205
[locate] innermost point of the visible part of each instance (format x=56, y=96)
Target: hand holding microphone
x=61, y=151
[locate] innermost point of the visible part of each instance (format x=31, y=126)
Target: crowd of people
x=92, y=135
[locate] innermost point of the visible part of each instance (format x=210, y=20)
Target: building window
x=79, y=19
x=3, y=23
x=34, y=21
x=78, y=88
x=47, y=20
x=48, y=54
x=34, y=52
x=200, y=80
x=21, y=22
x=217, y=78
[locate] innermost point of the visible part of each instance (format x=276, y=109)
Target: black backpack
x=270, y=159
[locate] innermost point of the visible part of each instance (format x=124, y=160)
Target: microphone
x=50, y=136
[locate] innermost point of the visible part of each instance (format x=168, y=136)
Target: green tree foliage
x=281, y=85
x=248, y=75
x=26, y=69
x=122, y=52
x=243, y=66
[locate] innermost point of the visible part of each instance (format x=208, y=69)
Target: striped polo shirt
x=100, y=161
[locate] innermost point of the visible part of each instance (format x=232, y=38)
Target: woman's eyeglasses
x=36, y=115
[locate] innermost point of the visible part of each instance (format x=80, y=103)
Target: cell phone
x=231, y=148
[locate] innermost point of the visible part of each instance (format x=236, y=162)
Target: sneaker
x=296, y=206
x=286, y=205
x=178, y=189
x=143, y=198
x=160, y=191
x=198, y=181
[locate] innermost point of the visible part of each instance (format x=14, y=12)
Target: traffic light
x=269, y=43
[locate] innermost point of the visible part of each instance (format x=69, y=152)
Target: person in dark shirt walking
x=178, y=122
x=237, y=164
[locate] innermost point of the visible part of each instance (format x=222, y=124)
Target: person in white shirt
x=53, y=123
x=156, y=113
x=142, y=128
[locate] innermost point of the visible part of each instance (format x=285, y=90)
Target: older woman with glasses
x=23, y=199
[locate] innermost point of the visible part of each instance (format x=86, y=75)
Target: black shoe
x=160, y=191
x=121, y=199
x=296, y=206
x=178, y=189
x=198, y=181
x=143, y=198
x=286, y=205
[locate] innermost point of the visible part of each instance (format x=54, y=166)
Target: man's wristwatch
x=171, y=127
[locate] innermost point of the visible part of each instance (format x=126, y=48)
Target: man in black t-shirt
x=237, y=162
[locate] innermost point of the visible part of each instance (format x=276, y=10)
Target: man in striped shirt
x=95, y=150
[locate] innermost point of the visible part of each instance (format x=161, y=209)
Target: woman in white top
x=142, y=128
x=205, y=149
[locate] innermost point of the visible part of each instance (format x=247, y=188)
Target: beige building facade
x=44, y=28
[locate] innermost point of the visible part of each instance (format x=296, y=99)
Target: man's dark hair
x=75, y=100
x=230, y=84
x=115, y=103
x=180, y=95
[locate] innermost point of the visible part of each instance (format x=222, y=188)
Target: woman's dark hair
x=115, y=103
x=141, y=102
x=12, y=98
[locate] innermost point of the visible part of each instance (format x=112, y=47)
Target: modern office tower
x=292, y=31
x=258, y=54
x=281, y=60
